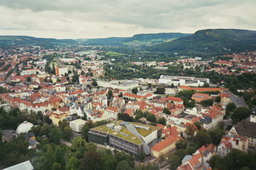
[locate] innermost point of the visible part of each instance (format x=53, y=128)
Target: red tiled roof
x=201, y=89
x=176, y=99
x=165, y=143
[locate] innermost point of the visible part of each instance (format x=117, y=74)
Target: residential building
x=199, y=159
x=232, y=142
x=246, y=128
x=199, y=97
x=164, y=146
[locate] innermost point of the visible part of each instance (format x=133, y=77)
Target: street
x=238, y=101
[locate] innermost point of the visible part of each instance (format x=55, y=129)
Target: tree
x=230, y=107
x=160, y=90
x=217, y=99
x=190, y=130
x=56, y=166
x=216, y=162
x=85, y=131
x=67, y=133
x=55, y=135
x=181, y=144
x=120, y=95
x=151, y=118
x=166, y=111
x=198, y=125
x=72, y=163
x=124, y=117
x=162, y=121
x=202, y=137
x=28, y=79
x=94, y=83
x=135, y=90
x=207, y=103
x=216, y=135
x=175, y=161
x=123, y=165
x=239, y=114
x=109, y=94
x=90, y=161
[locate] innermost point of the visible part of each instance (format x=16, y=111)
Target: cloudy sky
x=106, y=18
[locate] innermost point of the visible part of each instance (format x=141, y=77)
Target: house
x=199, y=97
x=164, y=146
x=199, y=159
x=246, y=128
x=57, y=116
x=213, y=117
x=225, y=98
x=232, y=142
x=175, y=100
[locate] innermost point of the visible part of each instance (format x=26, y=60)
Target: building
x=61, y=71
x=183, y=81
x=131, y=137
x=164, y=146
x=232, y=142
x=21, y=166
x=246, y=128
x=225, y=98
x=24, y=127
x=199, y=97
x=77, y=125
x=199, y=159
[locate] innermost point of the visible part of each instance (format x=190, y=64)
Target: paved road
x=238, y=101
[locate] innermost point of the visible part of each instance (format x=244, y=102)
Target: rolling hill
x=27, y=40
x=210, y=42
x=138, y=39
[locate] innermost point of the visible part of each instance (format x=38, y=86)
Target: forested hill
x=27, y=40
x=210, y=42
x=138, y=39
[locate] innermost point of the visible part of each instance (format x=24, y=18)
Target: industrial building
x=131, y=137
x=183, y=81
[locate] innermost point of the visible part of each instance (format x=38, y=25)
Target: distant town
x=71, y=107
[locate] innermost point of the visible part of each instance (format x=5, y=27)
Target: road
x=238, y=101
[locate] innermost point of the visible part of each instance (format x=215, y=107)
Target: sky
x=121, y=18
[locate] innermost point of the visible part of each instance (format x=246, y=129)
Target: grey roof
x=246, y=128
x=206, y=120
x=21, y=166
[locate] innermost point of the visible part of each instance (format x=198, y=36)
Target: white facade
x=183, y=81
x=77, y=125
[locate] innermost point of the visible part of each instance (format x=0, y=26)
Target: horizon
x=63, y=19
x=126, y=36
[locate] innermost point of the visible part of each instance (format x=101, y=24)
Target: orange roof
x=224, y=95
x=133, y=95
x=129, y=112
x=165, y=143
x=176, y=99
x=201, y=89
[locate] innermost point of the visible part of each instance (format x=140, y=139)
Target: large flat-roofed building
x=183, y=81
x=77, y=125
x=131, y=137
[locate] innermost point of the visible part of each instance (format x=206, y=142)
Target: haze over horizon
x=115, y=18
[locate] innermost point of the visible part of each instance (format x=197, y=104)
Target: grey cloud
x=101, y=18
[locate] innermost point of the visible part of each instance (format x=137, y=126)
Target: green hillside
x=210, y=42
x=27, y=40
x=138, y=39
